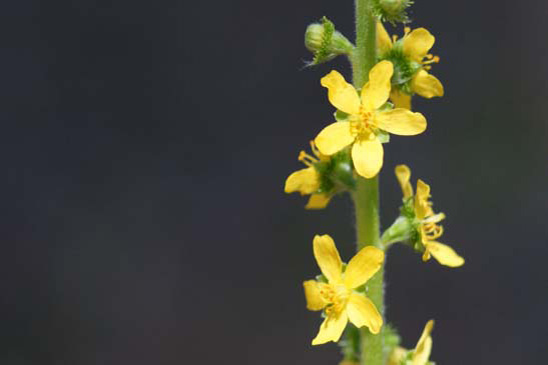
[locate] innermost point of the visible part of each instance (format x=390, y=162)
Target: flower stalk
x=366, y=196
x=348, y=156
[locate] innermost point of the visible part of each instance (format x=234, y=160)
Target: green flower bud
x=325, y=42
x=393, y=11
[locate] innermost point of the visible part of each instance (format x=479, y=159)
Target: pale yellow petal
x=384, y=43
x=367, y=156
x=444, y=254
x=417, y=43
x=334, y=138
x=426, y=85
x=362, y=312
x=400, y=99
x=423, y=190
x=377, y=90
x=318, y=201
x=424, y=346
x=305, y=181
x=397, y=355
x=363, y=266
x=401, y=121
x=422, y=208
x=314, y=300
x=403, y=174
x=340, y=93
x=331, y=328
x=434, y=218
x=327, y=257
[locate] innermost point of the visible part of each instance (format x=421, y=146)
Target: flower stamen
x=307, y=159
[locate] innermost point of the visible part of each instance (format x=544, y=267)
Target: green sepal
x=321, y=279
x=383, y=136
x=341, y=116
x=404, y=68
x=400, y=231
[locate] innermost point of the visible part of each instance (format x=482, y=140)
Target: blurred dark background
x=145, y=145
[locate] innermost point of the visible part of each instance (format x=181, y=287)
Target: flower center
x=336, y=295
x=362, y=124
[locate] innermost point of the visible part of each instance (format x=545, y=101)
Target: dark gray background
x=145, y=145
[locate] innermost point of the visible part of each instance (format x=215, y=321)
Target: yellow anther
x=314, y=149
x=430, y=59
x=306, y=159
x=406, y=30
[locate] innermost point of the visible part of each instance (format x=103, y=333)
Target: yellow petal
x=400, y=99
x=422, y=208
x=424, y=346
x=340, y=93
x=367, y=156
x=362, y=312
x=423, y=190
x=426, y=85
x=444, y=254
x=318, y=201
x=327, y=257
x=334, y=138
x=331, y=328
x=403, y=174
x=434, y=218
x=417, y=44
x=363, y=266
x=305, y=181
x=375, y=93
x=397, y=355
x=384, y=43
x=401, y=121
x=314, y=300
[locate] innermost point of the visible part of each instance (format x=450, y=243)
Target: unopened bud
x=325, y=42
x=393, y=11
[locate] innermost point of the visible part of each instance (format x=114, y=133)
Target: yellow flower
x=420, y=354
x=365, y=119
x=410, y=54
x=338, y=296
x=307, y=181
x=429, y=229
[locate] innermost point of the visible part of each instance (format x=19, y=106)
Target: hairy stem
x=366, y=196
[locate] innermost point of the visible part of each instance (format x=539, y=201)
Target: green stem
x=366, y=196
x=364, y=56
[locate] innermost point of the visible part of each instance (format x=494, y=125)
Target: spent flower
x=419, y=210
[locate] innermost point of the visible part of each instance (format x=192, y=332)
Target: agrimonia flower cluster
x=351, y=148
